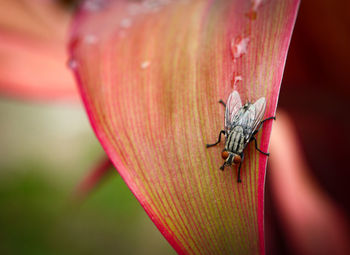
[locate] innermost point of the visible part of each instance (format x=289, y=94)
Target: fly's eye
x=224, y=154
x=237, y=159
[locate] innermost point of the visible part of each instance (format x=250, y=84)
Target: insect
x=242, y=123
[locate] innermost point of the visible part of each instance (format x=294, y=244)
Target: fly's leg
x=256, y=146
x=222, y=102
x=256, y=131
x=262, y=122
x=269, y=118
x=239, y=169
x=223, y=167
x=219, y=139
x=239, y=173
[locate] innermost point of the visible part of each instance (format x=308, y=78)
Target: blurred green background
x=45, y=151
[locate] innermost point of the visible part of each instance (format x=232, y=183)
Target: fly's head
x=231, y=158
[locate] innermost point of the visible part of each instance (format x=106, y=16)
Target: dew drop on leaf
x=239, y=46
x=253, y=10
x=93, y=5
x=145, y=64
x=256, y=4
x=72, y=63
x=125, y=23
x=237, y=79
x=90, y=39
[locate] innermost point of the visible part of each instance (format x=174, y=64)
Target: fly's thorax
x=235, y=140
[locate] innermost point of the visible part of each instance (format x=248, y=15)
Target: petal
x=33, y=55
x=311, y=219
x=93, y=179
x=318, y=65
x=151, y=74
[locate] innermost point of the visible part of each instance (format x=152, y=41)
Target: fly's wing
x=245, y=118
x=259, y=106
x=232, y=106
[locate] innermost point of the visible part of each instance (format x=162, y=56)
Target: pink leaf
x=151, y=74
x=312, y=221
x=93, y=179
x=33, y=55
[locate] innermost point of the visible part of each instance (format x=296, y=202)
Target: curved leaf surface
x=151, y=74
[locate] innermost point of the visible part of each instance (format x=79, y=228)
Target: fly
x=242, y=123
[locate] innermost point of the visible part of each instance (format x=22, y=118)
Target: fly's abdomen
x=235, y=140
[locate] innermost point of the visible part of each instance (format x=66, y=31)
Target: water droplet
x=147, y=6
x=239, y=46
x=256, y=4
x=72, y=63
x=151, y=5
x=154, y=6
x=125, y=23
x=237, y=78
x=253, y=10
x=90, y=39
x=93, y=5
x=145, y=64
